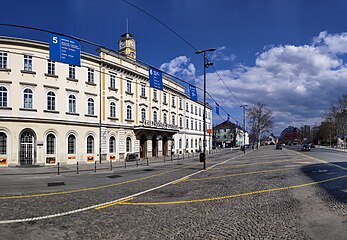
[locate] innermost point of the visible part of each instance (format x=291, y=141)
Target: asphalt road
x=263, y=194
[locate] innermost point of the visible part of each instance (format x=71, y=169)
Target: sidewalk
x=331, y=148
x=80, y=167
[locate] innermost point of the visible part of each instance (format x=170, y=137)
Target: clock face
x=132, y=43
x=122, y=43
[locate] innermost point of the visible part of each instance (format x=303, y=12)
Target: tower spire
x=127, y=26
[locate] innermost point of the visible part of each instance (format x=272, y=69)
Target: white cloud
x=297, y=82
x=180, y=67
x=219, y=55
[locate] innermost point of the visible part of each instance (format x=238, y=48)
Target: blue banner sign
x=64, y=49
x=217, y=108
x=228, y=118
x=155, y=78
x=192, y=92
x=237, y=124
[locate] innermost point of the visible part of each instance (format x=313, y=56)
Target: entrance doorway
x=27, y=148
x=165, y=146
x=143, y=147
x=154, y=146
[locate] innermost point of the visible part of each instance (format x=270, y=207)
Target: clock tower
x=127, y=46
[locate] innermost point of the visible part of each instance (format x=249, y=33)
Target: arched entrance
x=154, y=146
x=165, y=146
x=27, y=148
x=143, y=146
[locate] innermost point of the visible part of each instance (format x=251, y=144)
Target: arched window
x=164, y=98
x=72, y=104
x=3, y=96
x=90, y=144
x=129, y=112
x=173, y=120
x=3, y=143
x=28, y=98
x=187, y=143
x=196, y=125
x=199, y=126
x=192, y=124
x=71, y=144
x=128, y=144
x=180, y=121
x=112, y=110
x=51, y=101
x=191, y=143
x=50, y=143
x=155, y=117
x=112, y=145
x=180, y=143
x=90, y=106
x=196, y=143
x=143, y=114
x=164, y=118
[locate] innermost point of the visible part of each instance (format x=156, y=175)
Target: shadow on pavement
x=336, y=189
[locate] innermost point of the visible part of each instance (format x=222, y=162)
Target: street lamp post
x=244, y=127
x=206, y=65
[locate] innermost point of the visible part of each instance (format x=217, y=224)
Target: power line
x=178, y=35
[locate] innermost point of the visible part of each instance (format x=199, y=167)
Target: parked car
x=305, y=147
x=278, y=147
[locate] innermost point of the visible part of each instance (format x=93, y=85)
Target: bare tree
x=260, y=120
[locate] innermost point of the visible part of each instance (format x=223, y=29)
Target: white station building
x=53, y=112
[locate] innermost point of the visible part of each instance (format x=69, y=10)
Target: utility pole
x=206, y=65
x=244, y=127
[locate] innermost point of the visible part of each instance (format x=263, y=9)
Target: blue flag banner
x=155, y=78
x=64, y=49
x=192, y=92
x=237, y=124
x=217, y=108
x=228, y=118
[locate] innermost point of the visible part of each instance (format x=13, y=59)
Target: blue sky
x=288, y=54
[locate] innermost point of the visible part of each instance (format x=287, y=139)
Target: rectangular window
x=196, y=110
x=155, y=94
x=192, y=108
x=112, y=81
x=187, y=123
x=90, y=75
x=164, y=98
x=199, y=111
x=128, y=86
x=173, y=101
x=72, y=71
x=3, y=60
x=187, y=107
x=51, y=67
x=180, y=103
x=143, y=90
x=28, y=63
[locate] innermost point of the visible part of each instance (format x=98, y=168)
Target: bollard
x=147, y=161
x=125, y=164
x=95, y=166
x=111, y=165
x=137, y=162
x=171, y=156
x=77, y=168
x=58, y=169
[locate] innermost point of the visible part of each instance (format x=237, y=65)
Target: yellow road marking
x=321, y=160
x=240, y=174
x=85, y=189
x=112, y=204
x=231, y=196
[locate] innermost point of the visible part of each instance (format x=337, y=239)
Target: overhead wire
x=188, y=43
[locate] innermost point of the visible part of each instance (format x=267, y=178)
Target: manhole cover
x=54, y=184
x=114, y=176
x=148, y=170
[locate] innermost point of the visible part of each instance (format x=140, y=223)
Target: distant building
x=226, y=135
x=290, y=135
x=270, y=140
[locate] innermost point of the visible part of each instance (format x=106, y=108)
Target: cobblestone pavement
x=264, y=194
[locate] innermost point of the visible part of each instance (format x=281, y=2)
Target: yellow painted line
x=241, y=174
x=321, y=160
x=114, y=203
x=84, y=189
x=234, y=195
